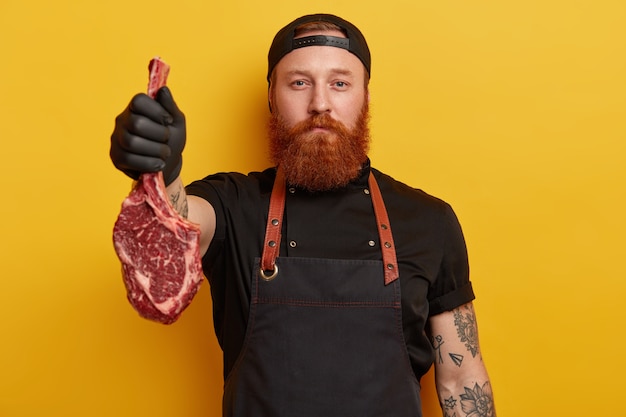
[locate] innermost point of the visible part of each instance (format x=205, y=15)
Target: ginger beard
x=320, y=161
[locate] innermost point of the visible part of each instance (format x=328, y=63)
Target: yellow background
x=512, y=111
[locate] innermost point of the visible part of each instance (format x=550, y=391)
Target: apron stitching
x=311, y=303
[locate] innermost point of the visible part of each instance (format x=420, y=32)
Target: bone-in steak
x=158, y=248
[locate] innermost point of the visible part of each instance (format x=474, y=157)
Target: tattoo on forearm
x=478, y=401
x=474, y=402
x=179, y=202
x=449, y=403
x=456, y=358
x=465, y=322
x=437, y=341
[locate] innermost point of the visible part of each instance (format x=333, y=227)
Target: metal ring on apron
x=274, y=224
x=268, y=277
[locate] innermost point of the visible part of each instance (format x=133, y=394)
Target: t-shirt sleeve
x=240, y=202
x=452, y=287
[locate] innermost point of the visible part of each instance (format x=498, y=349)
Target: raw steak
x=158, y=248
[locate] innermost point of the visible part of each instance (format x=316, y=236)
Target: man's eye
x=298, y=83
x=340, y=84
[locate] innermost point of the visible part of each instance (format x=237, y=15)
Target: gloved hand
x=149, y=136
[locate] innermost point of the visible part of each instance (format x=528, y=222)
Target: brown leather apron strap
x=384, y=232
x=271, y=245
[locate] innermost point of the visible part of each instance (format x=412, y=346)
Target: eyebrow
x=338, y=71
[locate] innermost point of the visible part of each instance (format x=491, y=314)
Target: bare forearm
x=195, y=209
x=463, y=385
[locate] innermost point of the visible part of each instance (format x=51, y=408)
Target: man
x=339, y=300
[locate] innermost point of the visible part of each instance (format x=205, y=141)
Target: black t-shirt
x=340, y=224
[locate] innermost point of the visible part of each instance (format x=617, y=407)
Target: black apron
x=324, y=336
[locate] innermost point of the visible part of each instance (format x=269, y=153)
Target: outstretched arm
x=194, y=209
x=461, y=377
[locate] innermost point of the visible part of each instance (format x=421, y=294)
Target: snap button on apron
x=277, y=208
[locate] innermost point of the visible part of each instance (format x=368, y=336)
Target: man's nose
x=320, y=100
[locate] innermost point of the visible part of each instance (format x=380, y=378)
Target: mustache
x=323, y=121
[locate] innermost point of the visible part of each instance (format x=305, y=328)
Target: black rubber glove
x=149, y=136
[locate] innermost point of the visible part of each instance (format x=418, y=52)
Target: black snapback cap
x=284, y=41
